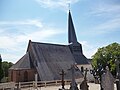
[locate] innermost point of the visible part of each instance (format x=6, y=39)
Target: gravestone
x=19, y=86
x=84, y=85
x=107, y=80
x=62, y=81
x=35, y=87
x=117, y=74
x=73, y=84
x=36, y=80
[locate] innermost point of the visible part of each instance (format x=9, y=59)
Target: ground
x=92, y=86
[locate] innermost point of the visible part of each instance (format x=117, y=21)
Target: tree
x=6, y=65
x=1, y=69
x=106, y=56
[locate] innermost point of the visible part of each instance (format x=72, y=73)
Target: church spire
x=74, y=45
x=71, y=31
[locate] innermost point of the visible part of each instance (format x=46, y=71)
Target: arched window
x=25, y=76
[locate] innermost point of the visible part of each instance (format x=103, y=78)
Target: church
x=48, y=60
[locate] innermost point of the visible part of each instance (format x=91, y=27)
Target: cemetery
x=47, y=66
x=107, y=82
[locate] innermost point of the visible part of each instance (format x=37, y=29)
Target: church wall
x=90, y=77
x=23, y=75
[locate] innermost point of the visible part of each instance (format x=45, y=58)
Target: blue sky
x=97, y=24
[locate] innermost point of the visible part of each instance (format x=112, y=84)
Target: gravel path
x=92, y=86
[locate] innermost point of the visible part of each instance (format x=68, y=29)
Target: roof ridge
x=49, y=43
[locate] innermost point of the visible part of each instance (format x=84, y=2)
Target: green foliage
x=107, y=56
x=6, y=65
x=1, y=74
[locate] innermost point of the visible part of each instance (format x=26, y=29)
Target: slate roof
x=50, y=59
x=80, y=58
x=23, y=63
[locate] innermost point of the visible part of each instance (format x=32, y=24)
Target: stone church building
x=48, y=60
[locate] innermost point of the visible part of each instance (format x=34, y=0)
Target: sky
x=96, y=22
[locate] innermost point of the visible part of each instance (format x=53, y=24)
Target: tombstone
x=35, y=87
x=36, y=80
x=19, y=86
x=107, y=80
x=84, y=85
x=63, y=82
x=117, y=74
x=73, y=84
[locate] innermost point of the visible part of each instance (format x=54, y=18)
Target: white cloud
x=105, y=27
x=106, y=18
x=16, y=44
x=34, y=22
x=39, y=35
x=110, y=25
x=88, y=50
x=56, y=3
x=11, y=57
x=7, y=42
x=106, y=9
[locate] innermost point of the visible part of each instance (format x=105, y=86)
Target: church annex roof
x=23, y=63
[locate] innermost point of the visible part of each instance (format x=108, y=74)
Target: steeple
x=74, y=45
x=71, y=31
